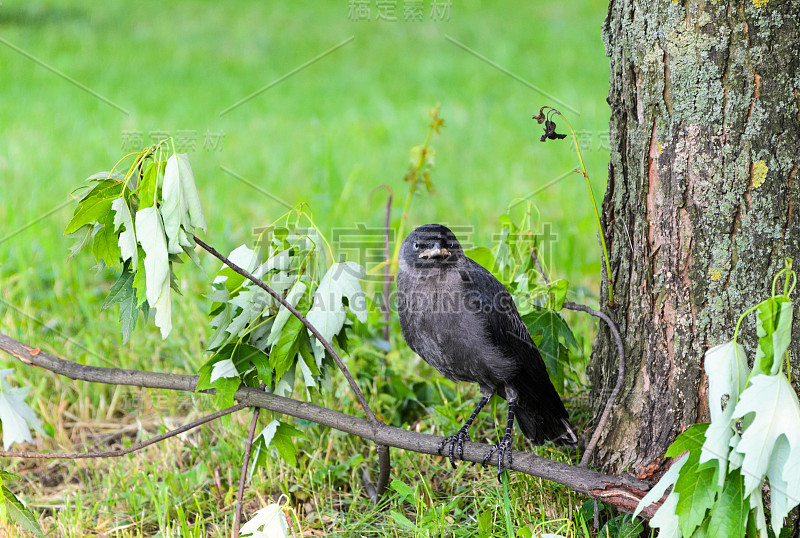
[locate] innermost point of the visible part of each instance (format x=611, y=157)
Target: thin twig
x=601, y=424
x=622, y=491
x=387, y=270
x=123, y=451
x=237, y=521
x=539, y=267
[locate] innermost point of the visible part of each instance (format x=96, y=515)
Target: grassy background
x=328, y=135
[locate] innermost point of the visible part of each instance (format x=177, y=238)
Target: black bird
x=462, y=321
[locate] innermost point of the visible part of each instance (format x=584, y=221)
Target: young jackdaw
x=462, y=321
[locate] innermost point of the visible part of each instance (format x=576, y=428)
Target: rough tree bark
x=702, y=201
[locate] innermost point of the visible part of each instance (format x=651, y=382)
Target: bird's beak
x=434, y=253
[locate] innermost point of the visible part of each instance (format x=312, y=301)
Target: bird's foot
x=456, y=442
x=503, y=449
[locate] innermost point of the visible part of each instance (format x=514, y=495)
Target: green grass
x=329, y=135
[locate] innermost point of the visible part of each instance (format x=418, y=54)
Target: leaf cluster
x=142, y=221
x=751, y=445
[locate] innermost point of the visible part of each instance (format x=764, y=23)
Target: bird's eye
x=416, y=246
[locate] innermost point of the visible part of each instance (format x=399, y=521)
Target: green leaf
x=485, y=258
x=402, y=520
x=552, y=336
x=774, y=328
x=149, y=184
x=691, y=440
x=403, y=489
x=20, y=514
x=282, y=354
x=122, y=293
x=328, y=313
x=729, y=517
x=104, y=245
x=95, y=206
x=140, y=281
x=558, y=292
x=696, y=490
x=282, y=441
x=6, y=476
x=776, y=414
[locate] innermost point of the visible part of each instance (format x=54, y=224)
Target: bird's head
x=430, y=246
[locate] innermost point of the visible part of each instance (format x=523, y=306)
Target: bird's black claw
x=503, y=449
x=456, y=445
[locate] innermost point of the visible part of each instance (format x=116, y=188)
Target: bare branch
x=623, y=491
x=237, y=520
x=124, y=451
x=590, y=447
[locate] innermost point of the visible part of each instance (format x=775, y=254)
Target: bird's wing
x=494, y=303
x=541, y=413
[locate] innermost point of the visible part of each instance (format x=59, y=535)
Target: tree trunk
x=701, y=206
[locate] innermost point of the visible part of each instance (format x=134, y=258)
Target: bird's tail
x=540, y=412
x=538, y=427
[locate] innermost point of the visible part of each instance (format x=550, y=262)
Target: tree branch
x=237, y=518
x=622, y=491
x=601, y=424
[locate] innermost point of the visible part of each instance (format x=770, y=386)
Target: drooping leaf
x=150, y=233
x=95, y=205
x=776, y=413
x=104, y=244
x=224, y=368
x=15, y=415
x=328, y=313
x=163, y=306
x=127, y=237
x=156, y=263
x=726, y=366
x=252, y=302
x=269, y=522
x=123, y=294
x=181, y=206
